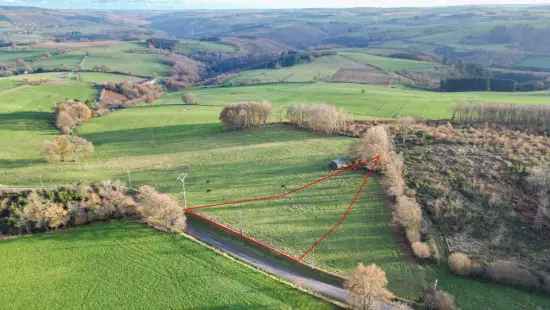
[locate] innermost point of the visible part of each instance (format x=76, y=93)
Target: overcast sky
x=226, y=4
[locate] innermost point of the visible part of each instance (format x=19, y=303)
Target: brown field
x=369, y=75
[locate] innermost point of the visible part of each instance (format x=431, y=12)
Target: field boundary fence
x=193, y=212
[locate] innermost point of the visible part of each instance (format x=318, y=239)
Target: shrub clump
x=408, y=214
x=40, y=213
x=41, y=210
x=322, y=118
x=460, y=264
x=421, y=250
x=245, y=115
x=511, y=273
x=67, y=148
x=375, y=142
x=71, y=114
x=160, y=210
x=435, y=299
x=189, y=99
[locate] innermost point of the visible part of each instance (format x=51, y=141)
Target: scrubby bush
x=71, y=114
x=64, y=122
x=367, y=286
x=109, y=199
x=160, y=210
x=435, y=299
x=421, y=250
x=189, y=98
x=245, y=115
x=393, y=181
x=407, y=212
x=511, y=273
x=375, y=142
x=56, y=215
x=40, y=213
x=67, y=148
x=460, y=264
x=539, y=180
x=322, y=118
x=40, y=210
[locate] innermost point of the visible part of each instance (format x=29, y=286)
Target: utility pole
x=181, y=179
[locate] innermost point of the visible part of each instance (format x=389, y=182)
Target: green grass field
x=155, y=144
x=123, y=57
x=367, y=236
x=121, y=265
x=323, y=68
x=8, y=56
x=389, y=64
x=376, y=101
x=126, y=57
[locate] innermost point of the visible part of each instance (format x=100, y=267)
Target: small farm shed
x=338, y=163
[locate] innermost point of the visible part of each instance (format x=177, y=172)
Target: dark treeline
x=478, y=84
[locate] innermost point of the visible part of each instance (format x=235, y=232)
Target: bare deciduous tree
x=367, y=287
x=318, y=117
x=245, y=115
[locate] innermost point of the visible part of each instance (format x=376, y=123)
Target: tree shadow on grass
x=26, y=121
x=189, y=138
x=19, y=163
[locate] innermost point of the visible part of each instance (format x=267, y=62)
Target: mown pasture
x=124, y=265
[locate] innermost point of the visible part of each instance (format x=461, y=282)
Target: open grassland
x=8, y=55
x=121, y=265
x=376, y=101
x=155, y=144
x=129, y=58
x=389, y=64
x=323, y=68
x=195, y=46
x=123, y=57
x=367, y=236
x=295, y=223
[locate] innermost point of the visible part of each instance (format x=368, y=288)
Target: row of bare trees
x=377, y=141
x=245, y=114
x=536, y=117
x=322, y=118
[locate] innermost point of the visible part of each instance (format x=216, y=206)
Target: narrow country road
x=272, y=265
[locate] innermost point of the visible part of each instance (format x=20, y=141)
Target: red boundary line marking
x=353, y=167
x=232, y=231
x=340, y=221
x=272, y=197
